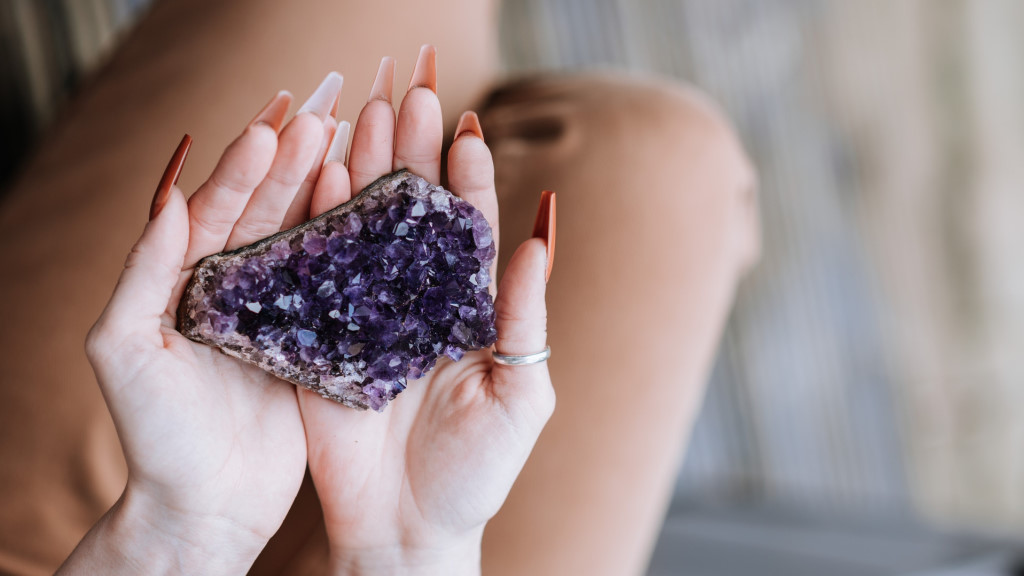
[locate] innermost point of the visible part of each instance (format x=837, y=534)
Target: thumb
x=153, y=266
x=151, y=272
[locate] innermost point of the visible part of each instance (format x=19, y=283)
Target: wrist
x=210, y=543
x=138, y=535
x=459, y=557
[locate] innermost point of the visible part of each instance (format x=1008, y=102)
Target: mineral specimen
x=358, y=301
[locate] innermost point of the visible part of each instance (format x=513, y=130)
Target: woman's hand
x=215, y=447
x=410, y=490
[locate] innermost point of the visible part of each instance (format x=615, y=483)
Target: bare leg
x=201, y=67
x=656, y=222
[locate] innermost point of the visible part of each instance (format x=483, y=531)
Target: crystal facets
x=358, y=301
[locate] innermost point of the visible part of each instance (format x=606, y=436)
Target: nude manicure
x=338, y=150
x=425, y=73
x=384, y=82
x=322, y=99
x=544, y=227
x=469, y=123
x=170, y=177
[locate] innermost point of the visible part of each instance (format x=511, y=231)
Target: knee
x=682, y=133
x=640, y=140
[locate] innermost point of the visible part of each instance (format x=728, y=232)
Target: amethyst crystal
x=357, y=301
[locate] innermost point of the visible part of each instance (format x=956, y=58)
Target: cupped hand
x=411, y=488
x=215, y=447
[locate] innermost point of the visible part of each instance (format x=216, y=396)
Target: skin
x=216, y=449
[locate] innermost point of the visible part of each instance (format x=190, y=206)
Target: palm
x=439, y=461
x=233, y=435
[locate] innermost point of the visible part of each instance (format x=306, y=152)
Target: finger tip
x=528, y=265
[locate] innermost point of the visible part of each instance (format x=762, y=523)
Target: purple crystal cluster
x=358, y=301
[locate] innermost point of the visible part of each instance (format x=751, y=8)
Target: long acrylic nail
x=425, y=73
x=469, y=122
x=274, y=112
x=170, y=177
x=322, y=99
x=544, y=227
x=339, y=145
x=384, y=82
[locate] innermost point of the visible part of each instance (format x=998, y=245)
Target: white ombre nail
x=322, y=99
x=339, y=145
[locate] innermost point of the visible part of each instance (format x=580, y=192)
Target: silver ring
x=523, y=360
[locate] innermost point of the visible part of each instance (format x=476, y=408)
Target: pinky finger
x=524, y=391
x=333, y=187
x=521, y=321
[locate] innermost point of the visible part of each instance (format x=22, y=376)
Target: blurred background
x=866, y=412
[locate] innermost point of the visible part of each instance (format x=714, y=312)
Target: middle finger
x=420, y=130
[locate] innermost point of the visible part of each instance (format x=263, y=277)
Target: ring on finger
x=521, y=359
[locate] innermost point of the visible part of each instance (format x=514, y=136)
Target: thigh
x=65, y=226
x=656, y=222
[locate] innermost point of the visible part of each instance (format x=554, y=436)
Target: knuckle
x=358, y=173
x=257, y=225
x=417, y=157
x=210, y=219
x=135, y=255
x=233, y=184
x=285, y=179
x=508, y=317
x=158, y=271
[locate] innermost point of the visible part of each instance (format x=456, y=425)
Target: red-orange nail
x=544, y=227
x=425, y=73
x=170, y=177
x=469, y=122
x=274, y=112
x=384, y=81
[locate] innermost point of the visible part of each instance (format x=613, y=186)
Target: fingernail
x=469, y=122
x=425, y=73
x=274, y=112
x=544, y=227
x=170, y=177
x=338, y=150
x=384, y=82
x=337, y=103
x=322, y=99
